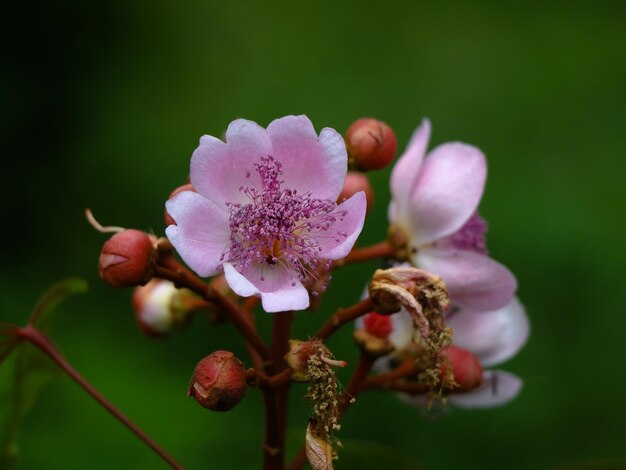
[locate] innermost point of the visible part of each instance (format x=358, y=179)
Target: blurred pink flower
x=264, y=209
x=492, y=336
x=434, y=203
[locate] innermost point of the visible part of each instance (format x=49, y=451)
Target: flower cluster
x=269, y=213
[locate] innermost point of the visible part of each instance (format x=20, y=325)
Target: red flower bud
x=354, y=183
x=168, y=218
x=219, y=381
x=466, y=369
x=127, y=259
x=371, y=143
x=377, y=324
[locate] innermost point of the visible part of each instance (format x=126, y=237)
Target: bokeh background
x=103, y=103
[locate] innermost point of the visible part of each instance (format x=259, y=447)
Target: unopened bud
x=219, y=381
x=465, y=367
x=371, y=144
x=354, y=183
x=127, y=259
x=373, y=337
x=160, y=306
x=169, y=220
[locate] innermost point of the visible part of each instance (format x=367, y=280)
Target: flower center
x=280, y=226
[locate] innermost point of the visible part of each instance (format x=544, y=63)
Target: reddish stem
x=37, y=338
x=343, y=316
x=357, y=382
x=182, y=277
x=276, y=397
x=382, y=249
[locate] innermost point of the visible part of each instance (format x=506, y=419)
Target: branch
x=382, y=249
x=38, y=339
x=343, y=316
x=182, y=277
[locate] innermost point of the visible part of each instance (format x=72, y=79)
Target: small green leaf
x=32, y=370
x=56, y=294
x=366, y=455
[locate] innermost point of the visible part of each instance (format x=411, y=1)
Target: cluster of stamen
x=281, y=226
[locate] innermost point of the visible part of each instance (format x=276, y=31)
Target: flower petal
x=473, y=280
x=498, y=388
x=219, y=170
x=336, y=246
x=492, y=336
x=402, y=329
x=318, y=165
x=201, y=232
x=279, y=290
x=447, y=191
x=406, y=170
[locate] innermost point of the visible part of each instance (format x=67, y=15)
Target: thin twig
x=343, y=316
x=382, y=249
x=37, y=338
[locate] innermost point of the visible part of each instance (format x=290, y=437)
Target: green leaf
x=32, y=370
x=54, y=295
x=366, y=455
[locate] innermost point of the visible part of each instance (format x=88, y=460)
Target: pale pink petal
x=492, y=336
x=219, y=170
x=403, y=329
x=310, y=164
x=202, y=232
x=277, y=287
x=406, y=170
x=447, y=191
x=337, y=242
x=498, y=388
x=473, y=280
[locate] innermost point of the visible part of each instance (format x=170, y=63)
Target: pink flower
x=264, y=209
x=492, y=336
x=433, y=207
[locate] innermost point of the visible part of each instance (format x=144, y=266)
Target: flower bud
x=371, y=144
x=168, y=218
x=154, y=306
x=373, y=338
x=354, y=183
x=127, y=259
x=219, y=381
x=465, y=368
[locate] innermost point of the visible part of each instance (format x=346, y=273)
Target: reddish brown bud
x=127, y=259
x=168, y=218
x=354, y=183
x=466, y=368
x=219, y=381
x=371, y=144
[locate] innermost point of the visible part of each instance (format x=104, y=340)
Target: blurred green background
x=104, y=102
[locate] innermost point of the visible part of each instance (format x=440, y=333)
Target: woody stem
x=382, y=249
x=183, y=278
